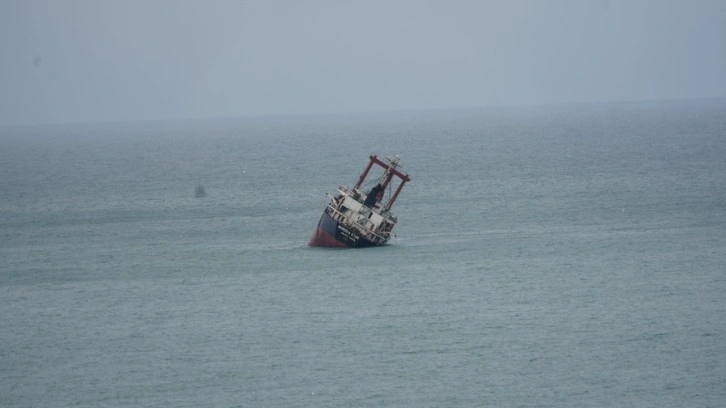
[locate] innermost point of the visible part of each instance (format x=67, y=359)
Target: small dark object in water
x=199, y=192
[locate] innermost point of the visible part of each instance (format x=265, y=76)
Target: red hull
x=321, y=238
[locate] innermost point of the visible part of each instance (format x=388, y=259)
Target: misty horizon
x=86, y=62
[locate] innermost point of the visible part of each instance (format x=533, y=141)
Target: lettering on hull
x=347, y=234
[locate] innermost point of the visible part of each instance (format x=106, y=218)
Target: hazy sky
x=106, y=60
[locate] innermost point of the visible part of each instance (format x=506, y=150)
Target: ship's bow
x=325, y=233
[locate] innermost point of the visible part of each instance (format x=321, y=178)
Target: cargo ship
x=357, y=219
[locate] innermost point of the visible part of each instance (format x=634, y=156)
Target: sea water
x=552, y=256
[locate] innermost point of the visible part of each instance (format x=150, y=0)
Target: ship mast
x=391, y=170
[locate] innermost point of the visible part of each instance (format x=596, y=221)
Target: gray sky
x=105, y=60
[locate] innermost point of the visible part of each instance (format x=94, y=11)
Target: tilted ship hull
x=354, y=219
x=331, y=233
